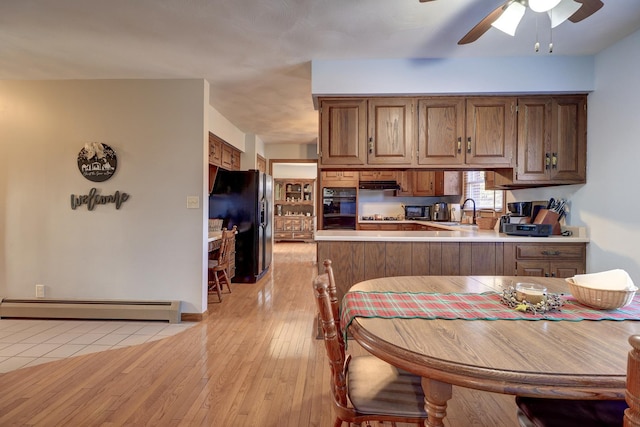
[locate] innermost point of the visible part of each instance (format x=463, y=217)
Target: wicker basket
x=600, y=298
x=486, y=222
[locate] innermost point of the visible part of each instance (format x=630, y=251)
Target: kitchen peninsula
x=454, y=250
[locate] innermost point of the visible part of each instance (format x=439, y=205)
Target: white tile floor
x=29, y=342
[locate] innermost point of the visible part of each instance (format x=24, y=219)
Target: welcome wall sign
x=97, y=162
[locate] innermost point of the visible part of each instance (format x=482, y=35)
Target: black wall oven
x=339, y=208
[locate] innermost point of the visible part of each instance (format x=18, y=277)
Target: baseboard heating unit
x=46, y=308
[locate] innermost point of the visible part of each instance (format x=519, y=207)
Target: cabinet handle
x=554, y=160
x=370, y=145
x=459, y=144
x=551, y=253
x=553, y=274
x=469, y=145
x=546, y=274
x=547, y=161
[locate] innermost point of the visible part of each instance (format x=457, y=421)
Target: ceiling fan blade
x=484, y=25
x=588, y=8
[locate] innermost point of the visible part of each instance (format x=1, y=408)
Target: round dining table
x=584, y=359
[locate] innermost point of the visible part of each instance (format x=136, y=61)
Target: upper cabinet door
x=552, y=140
x=391, y=131
x=534, y=139
x=441, y=124
x=569, y=139
x=343, y=132
x=491, y=131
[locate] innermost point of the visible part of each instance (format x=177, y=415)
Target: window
x=485, y=199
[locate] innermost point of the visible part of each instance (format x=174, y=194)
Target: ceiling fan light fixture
x=543, y=5
x=509, y=20
x=563, y=11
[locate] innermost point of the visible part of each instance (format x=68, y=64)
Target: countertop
x=449, y=233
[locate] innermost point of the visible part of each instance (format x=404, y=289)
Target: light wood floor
x=254, y=362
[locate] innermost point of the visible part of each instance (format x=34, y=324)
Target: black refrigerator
x=244, y=199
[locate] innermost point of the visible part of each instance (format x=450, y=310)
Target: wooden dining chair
x=333, y=299
x=365, y=388
x=218, y=267
x=537, y=412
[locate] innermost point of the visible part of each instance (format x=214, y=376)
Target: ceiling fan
x=507, y=16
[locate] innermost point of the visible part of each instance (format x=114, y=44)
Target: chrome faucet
x=474, y=208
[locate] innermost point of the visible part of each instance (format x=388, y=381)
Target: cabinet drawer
x=545, y=251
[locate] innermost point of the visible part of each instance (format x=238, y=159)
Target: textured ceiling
x=256, y=54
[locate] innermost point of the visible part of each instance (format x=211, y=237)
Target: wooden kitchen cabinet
x=261, y=163
x=424, y=183
x=343, y=132
x=333, y=178
x=360, y=132
x=473, y=131
x=354, y=262
x=405, y=181
x=379, y=226
x=235, y=159
x=441, y=129
x=391, y=132
x=226, y=157
x=490, y=131
x=546, y=260
x=437, y=183
x=378, y=175
x=215, y=150
x=551, y=140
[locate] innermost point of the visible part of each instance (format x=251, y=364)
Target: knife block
x=545, y=216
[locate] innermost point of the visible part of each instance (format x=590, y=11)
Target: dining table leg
x=436, y=394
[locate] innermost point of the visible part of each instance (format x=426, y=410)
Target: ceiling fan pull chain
x=551, y=32
x=536, y=46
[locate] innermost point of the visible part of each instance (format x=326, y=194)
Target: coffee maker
x=519, y=213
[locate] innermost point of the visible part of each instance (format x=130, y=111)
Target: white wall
x=545, y=73
x=291, y=151
x=223, y=128
x=151, y=248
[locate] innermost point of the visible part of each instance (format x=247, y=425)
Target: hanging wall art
x=97, y=161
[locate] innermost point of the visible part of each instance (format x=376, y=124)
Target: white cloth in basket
x=611, y=280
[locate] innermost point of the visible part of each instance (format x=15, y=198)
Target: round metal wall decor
x=97, y=162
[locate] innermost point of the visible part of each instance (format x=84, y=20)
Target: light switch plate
x=193, y=202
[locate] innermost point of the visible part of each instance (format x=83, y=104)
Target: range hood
x=378, y=185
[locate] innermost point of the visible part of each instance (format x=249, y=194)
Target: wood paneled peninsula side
x=450, y=251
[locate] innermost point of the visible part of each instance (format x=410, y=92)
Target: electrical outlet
x=193, y=202
x=39, y=291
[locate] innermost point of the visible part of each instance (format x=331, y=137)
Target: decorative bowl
x=531, y=292
x=601, y=299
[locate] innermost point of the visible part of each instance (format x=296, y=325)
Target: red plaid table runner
x=484, y=306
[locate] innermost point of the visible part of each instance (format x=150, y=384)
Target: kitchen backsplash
x=383, y=202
